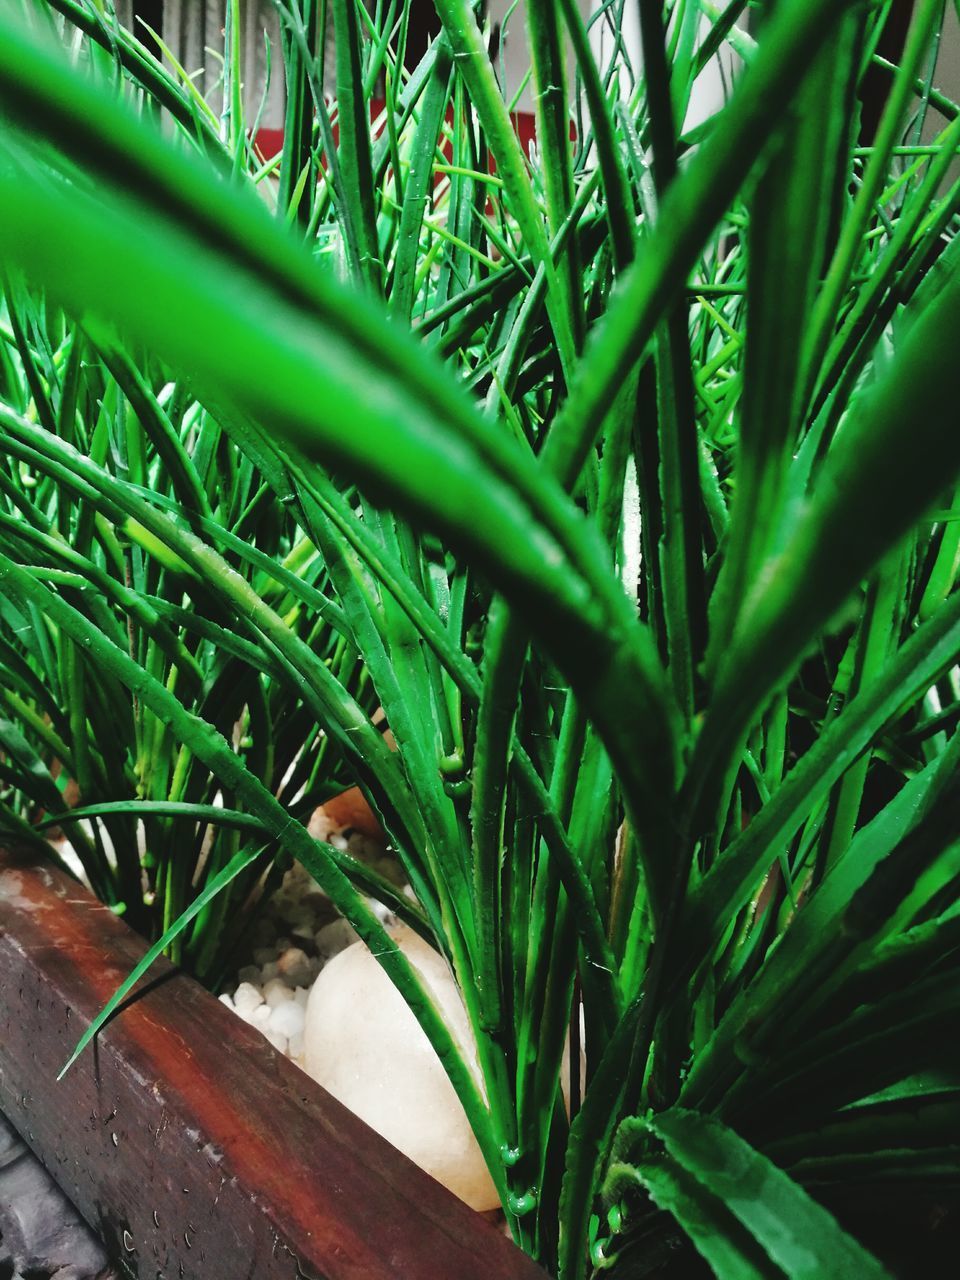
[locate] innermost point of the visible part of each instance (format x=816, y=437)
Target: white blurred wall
x=193, y=28
x=194, y=31
x=710, y=88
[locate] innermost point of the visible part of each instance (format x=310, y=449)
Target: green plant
x=643, y=541
x=68, y=722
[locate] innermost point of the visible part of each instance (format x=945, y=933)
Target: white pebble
x=336, y=937
x=320, y=825
x=295, y=1049
x=391, y=870
x=294, y=965
x=278, y=1041
x=261, y=1015
x=288, y=1019
x=226, y=999
x=302, y=995
x=338, y=842
x=317, y=902
x=303, y=912
x=246, y=998
x=276, y=992
x=269, y=971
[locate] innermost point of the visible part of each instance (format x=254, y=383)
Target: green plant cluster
x=619, y=474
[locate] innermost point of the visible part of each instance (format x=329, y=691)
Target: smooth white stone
x=301, y=995
x=246, y=998
x=364, y=1045
x=288, y=1019
x=295, y=1048
x=226, y=999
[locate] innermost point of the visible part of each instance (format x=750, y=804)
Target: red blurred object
x=269, y=142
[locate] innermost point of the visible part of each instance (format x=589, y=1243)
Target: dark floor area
x=42, y=1237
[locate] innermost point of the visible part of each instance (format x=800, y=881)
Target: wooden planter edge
x=185, y=1140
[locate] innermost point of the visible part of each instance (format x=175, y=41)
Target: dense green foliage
x=619, y=475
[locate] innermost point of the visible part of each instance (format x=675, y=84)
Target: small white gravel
x=287, y=1019
x=334, y=938
x=276, y=992
x=260, y=1016
x=293, y=940
x=296, y=968
x=279, y=1042
x=246, y=998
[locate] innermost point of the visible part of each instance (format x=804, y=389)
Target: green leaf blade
x=799, y=1235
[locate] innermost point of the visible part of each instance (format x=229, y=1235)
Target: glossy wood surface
x=194, y=1148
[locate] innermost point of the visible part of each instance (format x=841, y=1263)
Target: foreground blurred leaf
x=225, y=296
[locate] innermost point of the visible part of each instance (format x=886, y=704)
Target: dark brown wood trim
x=196, y=1150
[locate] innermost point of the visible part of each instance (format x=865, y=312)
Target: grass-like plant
x=619, y=475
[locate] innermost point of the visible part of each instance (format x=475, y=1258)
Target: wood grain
x=185, y=1140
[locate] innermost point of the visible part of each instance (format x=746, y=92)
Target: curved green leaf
x=238, y=863
x=894, y=455
x=726, y=888
x=798, y=1234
